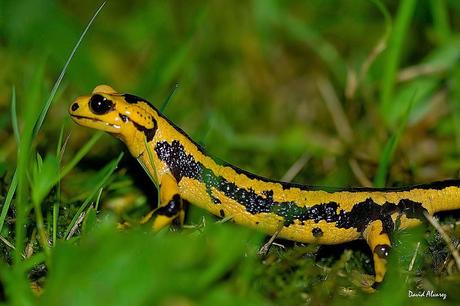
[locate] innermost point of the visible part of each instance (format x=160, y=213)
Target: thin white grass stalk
x=445, y=237
x=76, y=225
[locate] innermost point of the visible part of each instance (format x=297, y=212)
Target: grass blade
x=57, y=202
x=440, y=20
x=25, y=152
x=390, y=148
x=14, y=181
x=106, y=172
x=14, y=116
x=80, y=154
x=395, y=47
x=8, y=199
x=64, y=69
x=168, y=98
x=60, y=141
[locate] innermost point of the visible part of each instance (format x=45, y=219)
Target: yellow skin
x=307, y=214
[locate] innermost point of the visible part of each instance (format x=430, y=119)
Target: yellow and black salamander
x=184, y=171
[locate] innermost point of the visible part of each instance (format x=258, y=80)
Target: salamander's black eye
x=100, y=105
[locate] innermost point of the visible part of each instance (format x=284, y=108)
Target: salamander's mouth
x=95, y=123
x=84, y=117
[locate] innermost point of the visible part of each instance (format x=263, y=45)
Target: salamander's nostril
x=74, y=107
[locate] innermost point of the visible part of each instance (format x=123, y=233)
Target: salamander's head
x=127, y=117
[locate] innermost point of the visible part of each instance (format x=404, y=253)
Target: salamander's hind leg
x=379, y=242
x=173, y=210
x=171, y=205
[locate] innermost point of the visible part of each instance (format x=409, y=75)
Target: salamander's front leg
x=171, y=205
x=380, y=245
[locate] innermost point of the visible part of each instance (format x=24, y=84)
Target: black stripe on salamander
x=132, y=99
x=183, y=165
x=149, y=133
x=440, y=185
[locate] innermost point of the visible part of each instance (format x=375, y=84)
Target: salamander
x=185, y=172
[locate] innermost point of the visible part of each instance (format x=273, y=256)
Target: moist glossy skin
x=301, y=213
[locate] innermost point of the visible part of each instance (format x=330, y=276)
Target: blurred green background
x=341, y=93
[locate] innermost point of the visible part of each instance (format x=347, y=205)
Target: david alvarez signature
x=427, y=294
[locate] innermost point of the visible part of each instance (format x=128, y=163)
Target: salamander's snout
x=76, y=108
x=96, y=111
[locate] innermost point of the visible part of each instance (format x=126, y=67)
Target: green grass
x=393, y=57
x=243, y=80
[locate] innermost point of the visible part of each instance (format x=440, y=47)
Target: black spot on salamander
x=132, y=99
x=317, y=232
x=171, y=209
x=124, y=118
x=182, y=165
x=149, y=133
x=222, y=213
